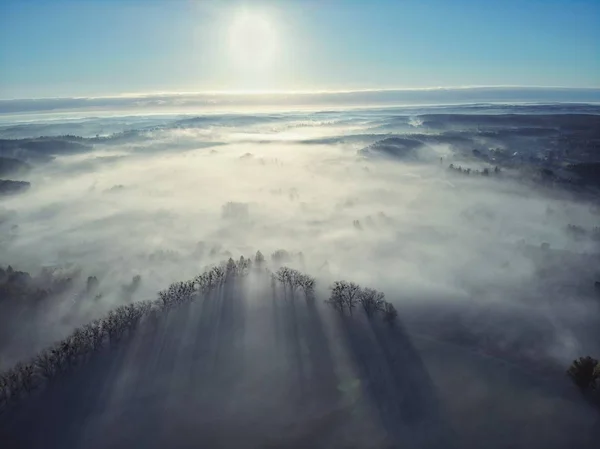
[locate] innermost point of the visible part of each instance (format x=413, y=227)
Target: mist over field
x=490, y=282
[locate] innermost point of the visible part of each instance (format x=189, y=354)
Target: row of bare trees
x=122, y=322
x=346, y=296
x=293, y=280
x=74, y=350
x=118, y=324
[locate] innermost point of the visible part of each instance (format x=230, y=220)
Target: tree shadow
x=323, y=377
x=395, y=382
x=228, y=359
x=57, y=415
x=293, y=349
x=310, y=379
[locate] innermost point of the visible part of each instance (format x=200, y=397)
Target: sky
x=63, y=48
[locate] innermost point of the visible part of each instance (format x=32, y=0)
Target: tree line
x=122, y=322
x=115, y=326
x=344, y=298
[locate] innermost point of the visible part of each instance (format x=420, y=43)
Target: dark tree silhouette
x=295, y=280
x=259, y=260
x=46, y=364
x=94, y=334
x=389, y=313
x=307, y=283
x=351, y=294
x=336, y=299
x=26, y=374
x=286, y=276
x=371, y=300
x=585, y=372
x=344, y=295
x=14, y=382
x=92, y=284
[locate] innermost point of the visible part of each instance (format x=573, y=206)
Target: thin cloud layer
x=235, y=101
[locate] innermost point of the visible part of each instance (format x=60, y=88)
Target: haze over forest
x=225, y=225
x=496, y=260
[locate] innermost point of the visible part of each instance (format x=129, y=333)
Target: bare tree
x=14, y=381
x=165, y=298
x=68, y=352
x=27, y=376
x=112, y=324
x=295, y=281
x=307, y=283
x=95, y=333
x=202, y=282
x=389, y=313
x=179, y=292
x=144, y=307
x=218, y=276
x=46, y=363
x=350, y=294
x=371, y=300
x=132, y=315
x=285, y=276
x=81, y=341
x=123, y=320
x=336, y=299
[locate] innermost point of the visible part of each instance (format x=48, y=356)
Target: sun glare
x=252, y=41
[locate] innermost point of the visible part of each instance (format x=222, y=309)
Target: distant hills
x=11, y=166
x=41, y=149
x=7, y=186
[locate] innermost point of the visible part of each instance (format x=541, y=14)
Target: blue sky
x=108, y=47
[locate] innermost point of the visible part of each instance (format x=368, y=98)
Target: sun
x=252, y=41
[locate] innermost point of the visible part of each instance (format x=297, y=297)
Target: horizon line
x=275, y=92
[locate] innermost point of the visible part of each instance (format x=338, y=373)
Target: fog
x=456, y=254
